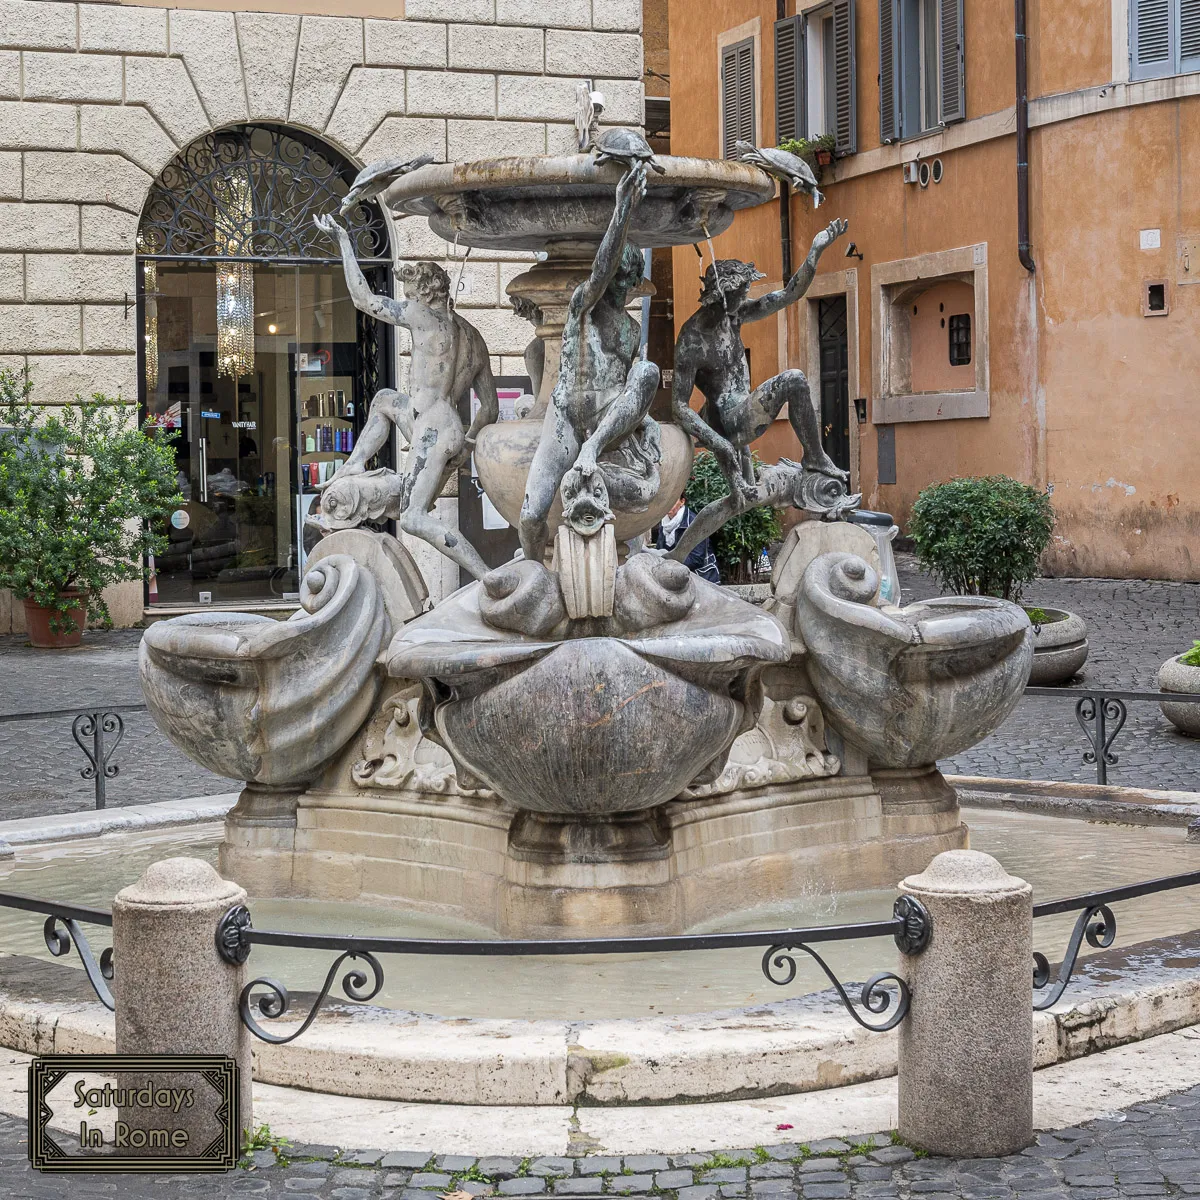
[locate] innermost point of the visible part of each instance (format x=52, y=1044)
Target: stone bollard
x=966, y=1047
x=174, y=993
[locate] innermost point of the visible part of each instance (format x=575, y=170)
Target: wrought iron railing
x=236, y=937
x=1101, y=715
x=884, y=992
x=97, y=731
x=1096, y=924
x=59, y=941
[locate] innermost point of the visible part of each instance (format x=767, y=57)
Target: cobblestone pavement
x=1134, y=625
x=1150, y=1149
x=39, y=761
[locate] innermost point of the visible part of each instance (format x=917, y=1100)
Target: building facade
x=159, y=171
x=947, y=334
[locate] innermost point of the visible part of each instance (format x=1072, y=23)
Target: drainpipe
x=1023, y=244
x=785, y=192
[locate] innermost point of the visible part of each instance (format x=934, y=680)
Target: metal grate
x=279, y=179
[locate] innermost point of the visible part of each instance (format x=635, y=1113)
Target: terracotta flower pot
x=37, y=623
x=825, y=158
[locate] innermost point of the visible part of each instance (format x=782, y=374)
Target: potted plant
x=818, y=152
x=82, y=492
x=739, y=545
x=983, y=537
x=824, y=146
x=1182, y=674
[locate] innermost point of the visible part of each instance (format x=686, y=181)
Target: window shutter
x=737, y=95
x=1189, y=35
x=745, y=70
x=1150, y=49
x=845, y=124
x=950, y=51
x=789, y=79
x=889, y=70
x=728, y=100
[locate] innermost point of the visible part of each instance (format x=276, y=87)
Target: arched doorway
x=251, y=350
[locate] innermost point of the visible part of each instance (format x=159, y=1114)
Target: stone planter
x=1060, y=647
x=1176, y=676
x=43, y=636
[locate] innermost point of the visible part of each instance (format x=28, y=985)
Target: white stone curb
x=35, y=831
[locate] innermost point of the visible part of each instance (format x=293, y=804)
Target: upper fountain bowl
x=531, y=202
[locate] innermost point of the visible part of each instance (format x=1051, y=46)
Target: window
x=814, y=75
x=737, y=95
x=1164, y=37
x=960, y=339
x=930, y=337
x=922, y=79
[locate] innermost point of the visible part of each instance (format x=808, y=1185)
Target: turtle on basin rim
x=625, y=146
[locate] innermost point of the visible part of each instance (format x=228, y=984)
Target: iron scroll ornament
x=91, y=731
x=250, y=192
x=1094, y=714
x=59, y=944
x=911, y=937
x=1098, y=925
x=234, y=947
x=277, y=1000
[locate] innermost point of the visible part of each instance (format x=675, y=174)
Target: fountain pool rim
x=783, y=1047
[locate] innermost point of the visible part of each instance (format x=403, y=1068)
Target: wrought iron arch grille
x=250, y=193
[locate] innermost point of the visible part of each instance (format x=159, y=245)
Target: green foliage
x=806, y=148
x=1191, y=658
x=739, y=544
x=263, y=1139
x=982, y=536
x=716, y=1161
x=82, y=490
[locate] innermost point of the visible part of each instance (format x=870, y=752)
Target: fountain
x=588, y=738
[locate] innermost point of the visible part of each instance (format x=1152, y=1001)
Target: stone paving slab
x=1147, y=1149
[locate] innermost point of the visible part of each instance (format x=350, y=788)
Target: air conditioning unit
x=912, y=172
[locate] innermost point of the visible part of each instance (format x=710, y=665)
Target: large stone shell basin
x=528, y=203
x=504, y=454
x=590, y=728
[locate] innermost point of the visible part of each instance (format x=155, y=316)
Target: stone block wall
x=96, y=98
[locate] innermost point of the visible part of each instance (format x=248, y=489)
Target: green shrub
x=82, y=490
x=1191, y=658
x=739, y=544
x=982, y=536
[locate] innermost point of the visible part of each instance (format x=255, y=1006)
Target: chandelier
x=151, y=293
x=235, y=280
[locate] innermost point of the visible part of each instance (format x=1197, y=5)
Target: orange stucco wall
x=930, y=332
x=1087, y=395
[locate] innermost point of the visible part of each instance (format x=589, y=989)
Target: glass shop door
x=260, y=421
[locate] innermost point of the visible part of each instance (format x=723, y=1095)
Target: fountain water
x=588, y=737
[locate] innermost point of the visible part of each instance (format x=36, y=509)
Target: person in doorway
x=701, y=558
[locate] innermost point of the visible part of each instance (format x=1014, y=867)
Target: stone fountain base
x=686, y=863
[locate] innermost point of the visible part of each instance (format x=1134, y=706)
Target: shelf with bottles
x=331, y=405
x=325, y=437
x=316, y=469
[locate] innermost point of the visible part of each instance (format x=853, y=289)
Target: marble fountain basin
x=533, y=202
x=504, y=454
x=619, y=724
